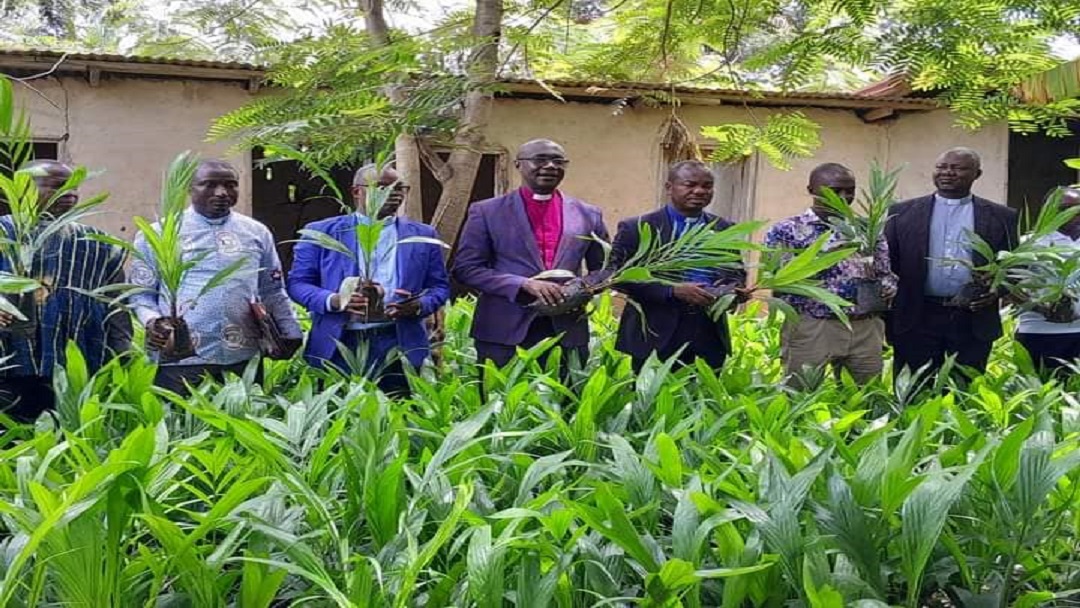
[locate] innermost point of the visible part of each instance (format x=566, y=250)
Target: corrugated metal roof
x=599, y=88
x=106, y=57
x=873, y=97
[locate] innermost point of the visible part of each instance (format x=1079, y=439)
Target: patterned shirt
x=69, y=262
x=797, y=233
x=950, y=223
x=222, y=326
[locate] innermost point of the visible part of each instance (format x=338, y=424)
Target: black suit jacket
x=662, y=315
x=908, y=233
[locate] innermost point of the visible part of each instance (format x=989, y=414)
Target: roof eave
x=92, y=67
x=715, y=98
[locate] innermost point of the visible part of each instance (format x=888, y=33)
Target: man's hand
x=407, y=308
x=157, y=335
x=742, y=295
x=289, y=346
x=888, y=291
x=547, y=292
x=356, y=305
x=694, y=294
x=983, y=301
x=6, y=319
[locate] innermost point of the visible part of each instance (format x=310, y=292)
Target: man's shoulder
x=1002, y=210
x=789, y=220
x=647, y=218
x=911, y=202
x=326, y=224
x=584, y=205
x=416, y=226
x=491, y=203
x=908, y=204
x=248, y=222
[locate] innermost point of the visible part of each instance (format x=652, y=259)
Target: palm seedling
x=166, y=259
x=31, y=225
x=1037, y=276
x=863, y=226
x=703, y=248
x=367, y=231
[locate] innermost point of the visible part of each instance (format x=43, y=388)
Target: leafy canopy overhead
x=973, y=54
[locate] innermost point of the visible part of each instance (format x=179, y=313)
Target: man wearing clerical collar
x=508, y=240
x=941, y=309
x=223, y=327
x=408, y=272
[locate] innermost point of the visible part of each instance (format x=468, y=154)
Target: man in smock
x=223, y=326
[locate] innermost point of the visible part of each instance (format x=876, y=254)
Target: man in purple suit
x=413, y=279
x=509, y=240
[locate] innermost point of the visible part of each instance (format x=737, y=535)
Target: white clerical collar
x=953, y=201
x=542, y=198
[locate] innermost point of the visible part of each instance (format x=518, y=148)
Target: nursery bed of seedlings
x=509, y=488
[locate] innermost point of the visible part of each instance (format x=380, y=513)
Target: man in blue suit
x=416, y=278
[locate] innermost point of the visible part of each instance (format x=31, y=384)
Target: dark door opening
x=1036, y=167
x=286, y=197
x=483, y=187
x=42, y=150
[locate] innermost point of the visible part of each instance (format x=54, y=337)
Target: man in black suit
x=675, y=316
x=939, y=309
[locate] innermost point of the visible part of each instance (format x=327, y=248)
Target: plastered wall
x=129, y=129
x=616, y=158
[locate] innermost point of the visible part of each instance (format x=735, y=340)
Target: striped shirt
x=68, y=262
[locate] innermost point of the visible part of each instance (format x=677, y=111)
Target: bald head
x=955, y=171
x=542, y=165
x=369, y=176
x=50, y=175
x=835, y=177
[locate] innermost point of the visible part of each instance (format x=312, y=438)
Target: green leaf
x=671, y=468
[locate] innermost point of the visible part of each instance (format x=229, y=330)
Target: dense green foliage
x=674, y=488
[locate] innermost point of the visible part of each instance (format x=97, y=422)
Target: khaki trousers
x=816, y=342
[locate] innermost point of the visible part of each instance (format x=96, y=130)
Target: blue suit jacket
x=317, y=272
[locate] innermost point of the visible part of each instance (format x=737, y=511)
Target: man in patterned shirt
x=223, y=327
x=817, y=337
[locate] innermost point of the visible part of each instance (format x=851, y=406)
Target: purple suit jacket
x=497, y=253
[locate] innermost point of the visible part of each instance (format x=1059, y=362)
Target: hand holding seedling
x=694, y=294
x=157, y=335
x=984, y=301
x=407, y=307
x=547, y=292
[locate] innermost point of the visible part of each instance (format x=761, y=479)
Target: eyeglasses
x=543, y=161
x=398, y=187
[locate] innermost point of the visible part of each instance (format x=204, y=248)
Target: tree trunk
x=407, y=160
x=469, y=139
x=406, y=151
x=458, y=174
